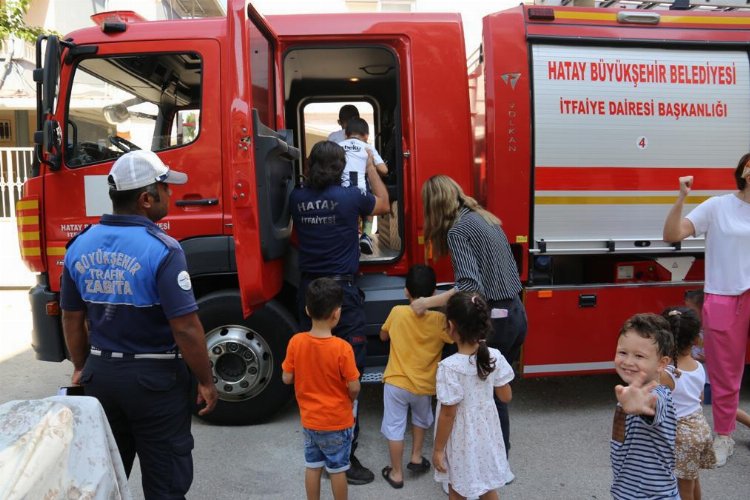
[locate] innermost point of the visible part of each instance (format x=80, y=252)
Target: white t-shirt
x=355, y=172
x=725, y=220
x=337, y=136
x=688, y=387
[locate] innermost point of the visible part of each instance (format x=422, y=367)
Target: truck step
x=373, y=375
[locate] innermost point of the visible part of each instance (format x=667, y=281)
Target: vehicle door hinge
x=245, y=143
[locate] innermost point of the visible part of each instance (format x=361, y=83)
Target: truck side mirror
x=115, y=113
x=51, y=74
x=49, y=141
x=52, y=143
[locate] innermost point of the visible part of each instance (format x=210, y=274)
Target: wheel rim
x=241, y=362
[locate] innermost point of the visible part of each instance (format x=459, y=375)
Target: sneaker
x=358, y=473
x=723, y=448
x=365, y=244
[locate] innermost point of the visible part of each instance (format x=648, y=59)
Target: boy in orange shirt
x=326, y=382
x=416, y=346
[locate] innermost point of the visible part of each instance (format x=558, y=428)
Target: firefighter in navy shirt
x=326, y=218
x=131, y=327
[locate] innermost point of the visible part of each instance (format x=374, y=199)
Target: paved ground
x=560, y=431
x=14, y=271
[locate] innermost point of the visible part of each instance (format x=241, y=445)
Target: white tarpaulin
x=59, y=447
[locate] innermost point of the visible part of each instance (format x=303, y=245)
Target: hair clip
x=474, y=299
x=674, y=312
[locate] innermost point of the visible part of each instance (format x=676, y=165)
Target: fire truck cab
x=228, y=102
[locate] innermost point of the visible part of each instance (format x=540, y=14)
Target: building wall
x=7, y=128
x=65, y=16
x=471, y=12
x=21, y=128
x=37, y=14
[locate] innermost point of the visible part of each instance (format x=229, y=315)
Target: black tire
x=251, y=391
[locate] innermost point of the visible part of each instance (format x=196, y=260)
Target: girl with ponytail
x=469, y=450
x=693, y=444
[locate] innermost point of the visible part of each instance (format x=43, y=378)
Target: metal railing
x=17, y=49
x=15, y=167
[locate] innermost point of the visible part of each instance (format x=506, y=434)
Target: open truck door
x=246, y=329
x=261, y=159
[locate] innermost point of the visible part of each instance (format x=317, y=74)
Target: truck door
x=135, y=95
x=260, y=158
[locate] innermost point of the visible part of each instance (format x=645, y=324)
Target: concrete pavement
x=560, y=435
x=14, y=272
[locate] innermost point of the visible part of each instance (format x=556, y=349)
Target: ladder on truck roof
x=703, y=5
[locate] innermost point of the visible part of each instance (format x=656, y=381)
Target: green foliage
x=12, y=22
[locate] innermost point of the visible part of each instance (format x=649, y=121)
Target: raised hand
x=636, y=398
x=686, y=183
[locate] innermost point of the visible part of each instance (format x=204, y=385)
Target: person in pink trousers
x=725, y=222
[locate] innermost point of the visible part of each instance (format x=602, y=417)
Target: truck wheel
x=245, y=356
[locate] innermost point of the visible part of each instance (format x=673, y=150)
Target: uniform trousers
x=726, y=324
x=147, y=403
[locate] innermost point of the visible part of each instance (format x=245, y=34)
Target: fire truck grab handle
x=587, y=300
x=200, y=202
x=286, y=151
x=638, y=17
x=288, y=186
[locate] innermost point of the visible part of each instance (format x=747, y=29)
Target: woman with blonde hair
x=456, y=225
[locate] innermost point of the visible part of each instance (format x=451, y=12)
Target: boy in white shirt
x=346, y=113
x=357, y=153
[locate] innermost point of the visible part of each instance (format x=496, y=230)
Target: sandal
x=419, y=468
x=387, y=476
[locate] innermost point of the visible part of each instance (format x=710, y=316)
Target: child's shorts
x=396, y=404
x=328, y=448
x=693, y=446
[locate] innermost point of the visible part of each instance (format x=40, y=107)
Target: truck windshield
x=122, y=103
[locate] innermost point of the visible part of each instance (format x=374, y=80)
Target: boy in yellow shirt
x=416, y=345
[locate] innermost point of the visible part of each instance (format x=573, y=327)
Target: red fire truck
x=573, y=129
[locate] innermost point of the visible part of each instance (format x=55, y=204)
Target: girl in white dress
x=469, y=450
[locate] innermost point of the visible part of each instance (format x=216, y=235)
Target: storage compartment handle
x=587, y=300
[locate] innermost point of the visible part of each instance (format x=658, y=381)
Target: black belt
x=127, y=355
x=502, y=303
x=349, y=278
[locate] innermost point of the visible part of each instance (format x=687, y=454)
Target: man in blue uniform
x=131, y=327
x=326, y=218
